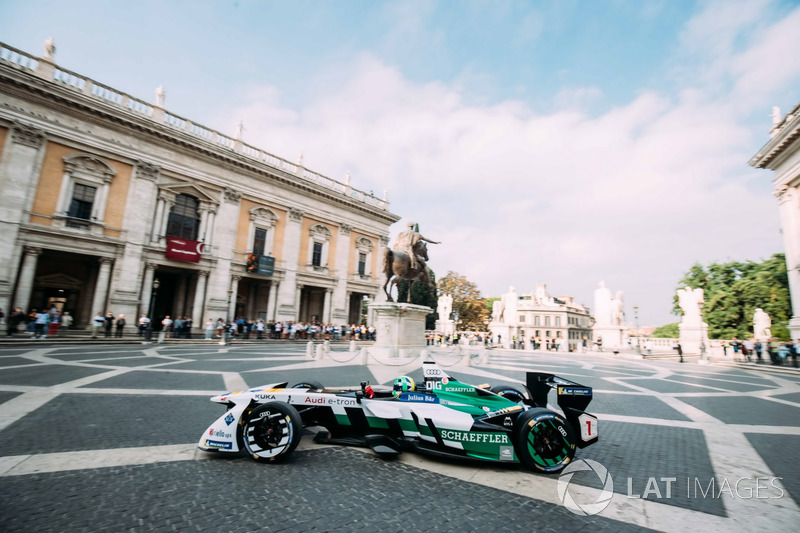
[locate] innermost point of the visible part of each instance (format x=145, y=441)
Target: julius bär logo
x=584, y=508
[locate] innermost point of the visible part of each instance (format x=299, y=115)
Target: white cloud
x=633, y=196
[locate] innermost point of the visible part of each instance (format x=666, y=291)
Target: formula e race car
x=445, y=417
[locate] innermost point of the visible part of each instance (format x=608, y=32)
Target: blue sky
x=543, y=142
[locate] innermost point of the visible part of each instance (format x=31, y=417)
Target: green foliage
x=467, y=301
x=421, y=294
x=667, y=331
x=734, y=290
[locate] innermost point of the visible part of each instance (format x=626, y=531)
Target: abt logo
x=582, y=507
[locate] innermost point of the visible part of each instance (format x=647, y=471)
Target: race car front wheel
x=544, y=440
x=272, y=432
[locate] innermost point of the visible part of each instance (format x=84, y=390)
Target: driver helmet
x=402, y=384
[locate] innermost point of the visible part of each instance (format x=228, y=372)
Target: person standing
x=12, y=322
x=144, y=325
x=66, y=323
x=120, y=325
x=98, y=322
x=109, y=322
x=41, y=324
x=209, y=329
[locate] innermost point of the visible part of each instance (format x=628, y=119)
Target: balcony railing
x=87, y=87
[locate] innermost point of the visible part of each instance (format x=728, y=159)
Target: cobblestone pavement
x=102, y=438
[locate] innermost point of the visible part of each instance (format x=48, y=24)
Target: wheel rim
x=270, y=434
x=546, y=444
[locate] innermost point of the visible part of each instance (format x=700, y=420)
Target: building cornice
x=785, y=133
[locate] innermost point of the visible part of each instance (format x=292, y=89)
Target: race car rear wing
x=573, y=398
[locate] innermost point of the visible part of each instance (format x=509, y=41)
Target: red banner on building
x=184, y=250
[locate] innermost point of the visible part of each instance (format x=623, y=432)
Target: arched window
x=184, y=218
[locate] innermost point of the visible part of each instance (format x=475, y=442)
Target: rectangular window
x=522, y=318
x=536, y=321
x=558, y=321
x=362, y=264
x=316, y=255
x=259, y=241
x=82, y=202
x=547, y=321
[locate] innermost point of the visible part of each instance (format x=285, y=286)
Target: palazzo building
x=782, y=154
x=537, y=315
x=111, y=203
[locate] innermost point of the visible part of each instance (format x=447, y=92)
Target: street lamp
x=153, y=294
x=636, y=326
x=230, y=296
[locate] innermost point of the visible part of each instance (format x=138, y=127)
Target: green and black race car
x=445, y=417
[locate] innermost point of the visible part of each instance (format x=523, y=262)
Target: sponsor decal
x=274, y=390
x=506, y=453
x=474, y=436
x=229, y=419
x=219, y=433
x=219, y=445
x=341, y=401
x=416, y=397
x=309, y=399
x=575, y=391
x=507, y=422
x=264, y=396
x=440, y=385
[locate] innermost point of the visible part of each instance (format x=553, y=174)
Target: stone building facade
x=782, y=154
x=537, y=315
x=102, y=194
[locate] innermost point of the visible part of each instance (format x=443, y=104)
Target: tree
x=667, y=331
x=467, y=301
x=734, y=290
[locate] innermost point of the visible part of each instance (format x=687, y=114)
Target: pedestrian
x=66, y=323
x=120, y=325
x=260, y=327
x=758, y=347
x=144, y=325
x=187, y=327
x=13, y=321
x=41, y=324
x=31, y=322
x=98, y=322
x=166, y=325
x=210, y=328
x=109, y=321
x=177, y=327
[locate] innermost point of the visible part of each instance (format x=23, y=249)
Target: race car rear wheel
x=308, y=384
x=272, y=432
x=544, y=440
x=510, y=393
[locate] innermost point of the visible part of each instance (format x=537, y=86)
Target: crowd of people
x=38, y=323
x=777, y=352
x=245, y=328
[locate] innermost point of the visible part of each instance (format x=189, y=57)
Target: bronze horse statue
x=397, y=266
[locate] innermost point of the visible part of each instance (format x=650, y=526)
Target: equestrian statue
x=407, y=260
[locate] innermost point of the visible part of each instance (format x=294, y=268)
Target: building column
x=199, y=299
x=26, y=275
x=160, y=203
x=162, y=228
x=272, y=300
x=101, y=287
x=789, y=209
x=147, y=289
x=298, y=294
x=232, y=294
x=326, y=308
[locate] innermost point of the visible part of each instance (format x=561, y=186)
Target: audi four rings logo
x=590, y=508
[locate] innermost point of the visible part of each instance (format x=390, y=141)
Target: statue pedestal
x=505, y=332
x=690, y=337
x=399, y=329
x=613, y=336
x=445, y=327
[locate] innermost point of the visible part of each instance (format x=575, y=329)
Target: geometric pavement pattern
x=102, y=438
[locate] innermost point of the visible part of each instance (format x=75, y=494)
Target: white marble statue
x=602, y=305
x=497, y=311
x=776, y=115
x=444, y=306
x=690, y=301
x=510, y=301
x=761, y=325
x=160, y=95
x=617, y=310
x=49, y=49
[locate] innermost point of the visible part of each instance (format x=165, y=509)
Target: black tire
x=510, y=393
x=272, y=432
x=544, y=440
x=308, y=384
